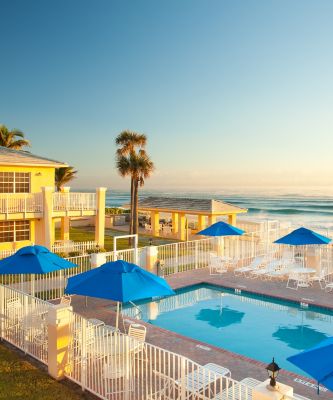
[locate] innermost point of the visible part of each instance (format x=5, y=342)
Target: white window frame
x=15, y=230
x=14, y=181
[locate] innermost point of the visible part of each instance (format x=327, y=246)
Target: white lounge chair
x=194, y=383
x=243, y=390
x=255, y=265
x=238, y=391
x=277, y=268
x=264, y=271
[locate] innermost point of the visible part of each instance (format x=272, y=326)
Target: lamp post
x=273, y=371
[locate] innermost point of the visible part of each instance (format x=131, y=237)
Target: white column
x=47, y=219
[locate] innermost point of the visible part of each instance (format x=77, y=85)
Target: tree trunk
x=135, y=206
x=131, y=210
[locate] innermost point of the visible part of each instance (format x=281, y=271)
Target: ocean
x=315, y=210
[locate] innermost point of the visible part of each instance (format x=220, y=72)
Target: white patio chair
x=139, y=333
x=217, y=265
x=323, y=278
x=116, y=368
x=328, y=283
x=13, y=315
x=66, y=300
x=35, y=328
x=256, y=264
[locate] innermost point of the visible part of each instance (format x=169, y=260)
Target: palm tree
x=8, y=138
x=64, y=175
x=128, y=142
x=142, y=168
x=133, y=161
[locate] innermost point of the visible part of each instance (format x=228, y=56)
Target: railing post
x=100, y=216
x=2, y=310
x=196, y=254
x=48, y=209
x=151, y=259
x=58, y=326
x=83, y=354
x=176, y=258
x=182, y=378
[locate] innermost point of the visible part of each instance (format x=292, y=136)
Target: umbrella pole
x=86, y=301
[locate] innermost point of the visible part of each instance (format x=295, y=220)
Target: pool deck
x=240, y=366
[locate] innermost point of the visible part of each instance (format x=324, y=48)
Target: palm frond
x=8, y=138
x=64, y=175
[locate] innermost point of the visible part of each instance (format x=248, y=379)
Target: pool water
x=252, y=325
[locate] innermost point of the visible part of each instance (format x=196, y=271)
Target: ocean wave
x=289, y=211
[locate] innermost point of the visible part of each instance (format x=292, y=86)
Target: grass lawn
x=21, y=378
x=82, y=234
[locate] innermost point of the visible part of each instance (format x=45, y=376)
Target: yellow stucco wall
x=39, y=177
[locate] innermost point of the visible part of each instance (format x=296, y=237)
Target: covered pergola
x=206, y=210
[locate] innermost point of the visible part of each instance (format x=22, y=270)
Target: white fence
x=115, y=366
x=11, y=203
x=110, y=364
x=128, y=255
x=184, y=256
x=23, y=322
x=6, y=253
x=47, y=286
x=74, y=201
x=70, y=246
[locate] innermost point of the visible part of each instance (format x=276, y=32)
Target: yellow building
x=30, y=207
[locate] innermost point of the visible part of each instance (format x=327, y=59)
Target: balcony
x=32, y=203
x=74, y=202
x=14, y=203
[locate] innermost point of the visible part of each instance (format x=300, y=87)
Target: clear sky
x=229, y=92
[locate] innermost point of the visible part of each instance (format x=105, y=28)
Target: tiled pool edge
x=264, y=295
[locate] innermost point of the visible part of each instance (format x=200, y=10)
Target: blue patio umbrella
x=119, y=281
x=303, y=237
x=221, y=228
x=33, y=260
x=317, y=362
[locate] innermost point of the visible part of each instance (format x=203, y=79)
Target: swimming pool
x=252, y=325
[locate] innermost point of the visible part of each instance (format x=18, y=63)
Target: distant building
x=29, y=205
x=206, y=210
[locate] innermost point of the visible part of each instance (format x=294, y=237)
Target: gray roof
x=187, y=204
x=20, y=157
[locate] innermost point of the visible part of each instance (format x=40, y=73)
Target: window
x=22, y=182
x=14, y=231
x=14, y=182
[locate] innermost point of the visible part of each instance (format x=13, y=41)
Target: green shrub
x=74, y=253
x=62, y=254
x=96, y=249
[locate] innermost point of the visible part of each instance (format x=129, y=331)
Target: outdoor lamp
x=273, y=371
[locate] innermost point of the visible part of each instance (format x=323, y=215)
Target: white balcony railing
x=11, y=203
x=74, y=201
